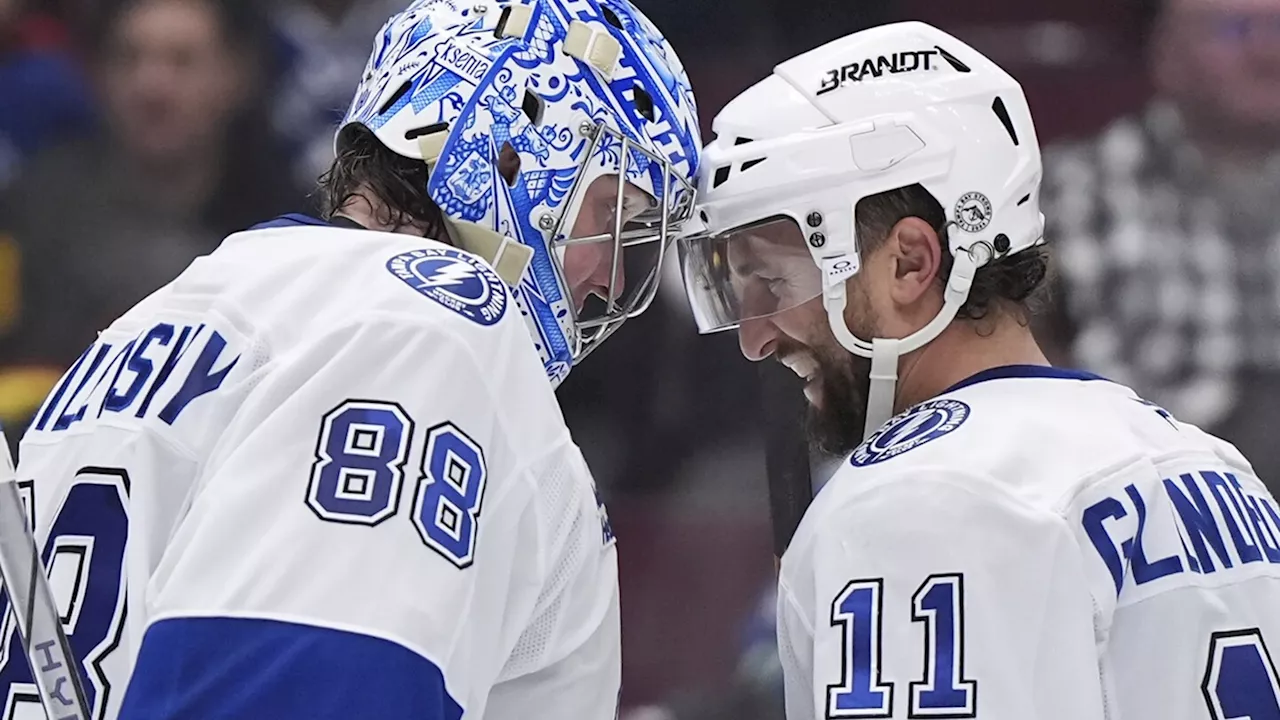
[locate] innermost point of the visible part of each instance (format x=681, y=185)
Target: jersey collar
x=299, y=219
x=290, y=220
x=1024, y=371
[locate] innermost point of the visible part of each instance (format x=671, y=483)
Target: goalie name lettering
x=157, y=374
x=467, y=64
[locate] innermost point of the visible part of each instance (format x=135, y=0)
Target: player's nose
x=600, y=283
x=758, y=339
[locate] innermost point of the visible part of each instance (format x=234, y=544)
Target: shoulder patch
x=922, y=424
x=456, y=280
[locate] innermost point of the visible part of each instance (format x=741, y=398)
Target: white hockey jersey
x=1035, y=543
x=322, y=475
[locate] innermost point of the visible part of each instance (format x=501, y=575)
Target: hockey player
x=322, y=474
x=1017, y=540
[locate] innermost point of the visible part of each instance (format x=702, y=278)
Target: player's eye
x=777, y=286
x=634, y=206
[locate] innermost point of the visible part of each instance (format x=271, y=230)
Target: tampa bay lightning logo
x=924, y=423
x=456, y=280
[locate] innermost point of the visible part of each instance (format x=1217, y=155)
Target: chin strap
x=884, y=383
x=885, y=352
x=509, y=258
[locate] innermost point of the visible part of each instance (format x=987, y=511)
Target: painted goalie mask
x=595, y=104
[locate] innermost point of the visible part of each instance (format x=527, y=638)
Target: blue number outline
x=395, y=467
x=846, y=621
x=465, y=497
x=477, y=474
x=27, y=491
x=90, y=660
x=1226, y=639
x=932, y=646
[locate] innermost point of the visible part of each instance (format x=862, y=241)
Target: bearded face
x=836, y=381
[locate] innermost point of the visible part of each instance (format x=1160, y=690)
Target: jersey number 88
x=358, y=475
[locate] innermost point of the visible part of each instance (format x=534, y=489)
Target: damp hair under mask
x=363, y=165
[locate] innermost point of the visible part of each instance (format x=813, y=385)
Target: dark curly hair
x=1017, y=282
x=364, y=165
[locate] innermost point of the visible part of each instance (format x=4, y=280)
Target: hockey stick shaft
x=53, y=665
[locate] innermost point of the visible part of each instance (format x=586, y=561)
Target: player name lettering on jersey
x=158, y=373
x=1201, y=522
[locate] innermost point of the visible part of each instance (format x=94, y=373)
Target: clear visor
x=611, y=256
x=750, y=272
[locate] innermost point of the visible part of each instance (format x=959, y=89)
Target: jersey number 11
x=1240, y=679
x=943, y=692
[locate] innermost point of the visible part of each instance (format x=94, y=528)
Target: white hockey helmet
x=579, y=89
x=878, y=110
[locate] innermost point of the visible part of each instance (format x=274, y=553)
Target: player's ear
x=917, y=252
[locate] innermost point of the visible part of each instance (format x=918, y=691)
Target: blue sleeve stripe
x=216, y=667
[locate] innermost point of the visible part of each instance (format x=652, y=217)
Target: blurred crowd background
x=135, y=135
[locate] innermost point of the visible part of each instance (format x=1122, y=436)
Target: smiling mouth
x=806, y=368
x=802, y=365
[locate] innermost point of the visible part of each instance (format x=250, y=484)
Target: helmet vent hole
x=952, y=60
x=534, y=107
x=644, y=104
x=1024, y=199
x=509, y=164
x=399, y=94
x=722, y=176
x=502, y=22
x=416, y=133
x=752, y=163
x=611, y=17
x=1003, y=113
x=742, y=141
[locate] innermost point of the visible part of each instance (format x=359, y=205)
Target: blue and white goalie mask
x=567, y=126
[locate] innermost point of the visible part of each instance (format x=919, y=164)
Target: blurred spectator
x=43, y=97
x=321, y=47
x=77, y=15
x=1167, y=228
x=102, y=221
